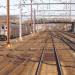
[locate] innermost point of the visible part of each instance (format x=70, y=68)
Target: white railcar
x=14, y=31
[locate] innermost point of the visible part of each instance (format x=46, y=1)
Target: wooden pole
x=8, y=23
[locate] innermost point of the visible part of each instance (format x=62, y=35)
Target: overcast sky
x=14, y=10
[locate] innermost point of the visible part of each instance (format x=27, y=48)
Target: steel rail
x=57, y=58
x=68, y=42
x=40, y=61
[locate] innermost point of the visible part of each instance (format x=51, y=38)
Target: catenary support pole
x=31, y=18
x=34, y=23
x=20, y=25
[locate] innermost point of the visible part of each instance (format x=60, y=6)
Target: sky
x=14, y=10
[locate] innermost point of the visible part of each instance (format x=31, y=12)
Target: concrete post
x=34, y=24
x=20, y=25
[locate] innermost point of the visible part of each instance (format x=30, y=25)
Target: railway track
x=69, y=34
x=68, y=40
x=67, y=57
x=56, y=64
x=12, y=69
x=42, y=54
x=57, y=59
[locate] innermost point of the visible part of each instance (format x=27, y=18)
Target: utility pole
x=8, y=23
x=70, y=11
x=31, y=17
x=0, y=20
x=20, y=25
x=34, y=19
x=49, y=7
